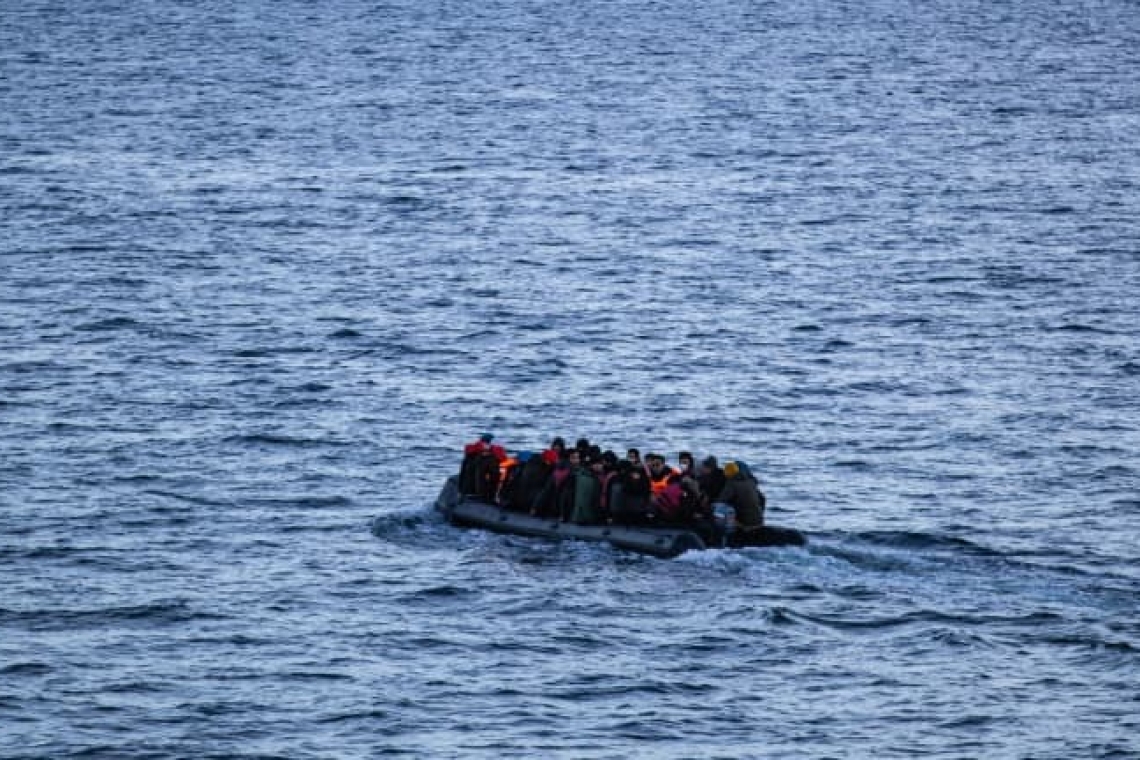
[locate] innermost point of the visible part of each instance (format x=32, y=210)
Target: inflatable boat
x=664, y=542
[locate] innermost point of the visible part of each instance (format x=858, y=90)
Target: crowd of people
x=588, y=486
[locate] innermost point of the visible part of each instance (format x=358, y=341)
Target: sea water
x=265, y=267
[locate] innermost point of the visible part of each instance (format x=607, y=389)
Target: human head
x=731, y=470
x=558, y=444
x=709, y=464
x=487, y=437
x=574, y=456
x=633, y=456
x=609, y=459
x=655, y=462
x=685, y=459
x=583, y=444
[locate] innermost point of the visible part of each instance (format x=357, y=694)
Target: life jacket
x=508, y=475
x=505, y=467
x=658, y=484
x=472, y=449
x=670, y=499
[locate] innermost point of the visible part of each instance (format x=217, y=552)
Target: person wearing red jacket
x=480, y=474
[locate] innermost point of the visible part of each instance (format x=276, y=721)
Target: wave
x=26, y=669
x=109, y=324
x=917, y=540
x=275, y=439
x=145, y=614
x=397, y=523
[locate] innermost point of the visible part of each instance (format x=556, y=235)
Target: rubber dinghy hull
x=659, y=542
x=472, y=513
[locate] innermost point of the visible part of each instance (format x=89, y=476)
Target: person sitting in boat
x=659, y=472
x=710, y=480
x=558, y=447
x=556, y=498
x=530, y=477
x=742, y=493
x=587, y=492
x=611, y=482
x=670, y=504
x=685, y=464
x=508, y=471
x=633, y=456
x=629, y=503
x=479, y=474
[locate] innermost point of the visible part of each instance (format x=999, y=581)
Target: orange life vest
x=661, y=482
x=505, y=466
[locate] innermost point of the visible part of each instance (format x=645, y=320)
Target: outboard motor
x=724, y=523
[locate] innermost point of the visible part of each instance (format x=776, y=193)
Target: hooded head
x=487, y=437
x=731, y=470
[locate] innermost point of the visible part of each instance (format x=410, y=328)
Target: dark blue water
x=264, y=267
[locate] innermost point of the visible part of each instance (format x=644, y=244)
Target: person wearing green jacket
x=742, y=493
x=588, y=492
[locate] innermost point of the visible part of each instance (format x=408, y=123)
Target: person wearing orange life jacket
x=658, y=472
x=669, y=503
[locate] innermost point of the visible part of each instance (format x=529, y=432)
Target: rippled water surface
x=264, y=267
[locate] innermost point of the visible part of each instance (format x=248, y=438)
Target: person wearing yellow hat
x=742, y=493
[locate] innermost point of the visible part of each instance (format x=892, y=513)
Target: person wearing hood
x=742, y=493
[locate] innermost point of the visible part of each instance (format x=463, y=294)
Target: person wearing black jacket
x=710, y=477
x=630, y=502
